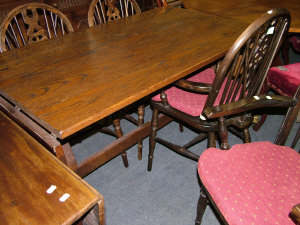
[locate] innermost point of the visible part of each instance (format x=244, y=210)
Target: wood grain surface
x=73, y=81
x=246, y=10
x=28, y=170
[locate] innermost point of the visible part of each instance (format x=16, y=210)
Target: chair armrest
x=193, y=86
x=295, y=213
x=244, y=105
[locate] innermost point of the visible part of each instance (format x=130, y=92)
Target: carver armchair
x=233, y=89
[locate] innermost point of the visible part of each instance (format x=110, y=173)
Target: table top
x=246, y=10
x=68, y=83
x=29, y=170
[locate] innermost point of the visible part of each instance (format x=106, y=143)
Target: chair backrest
x=243, y=70
x=32, y=22
x=103, y=11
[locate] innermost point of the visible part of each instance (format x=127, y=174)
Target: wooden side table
x=37, y=188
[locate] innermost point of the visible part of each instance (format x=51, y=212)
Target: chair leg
x=180, y=127
x=223, y=132
x=119, y=133
x=152, y=141
x=211, y=140
x=202, y=203
x=246, y=134
x=141, y=114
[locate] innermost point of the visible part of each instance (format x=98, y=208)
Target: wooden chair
x=232, y=90
x=163, y=3
x=103, y=11
x=32, y=22
x=253, y=183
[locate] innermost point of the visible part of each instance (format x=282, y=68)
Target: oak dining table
x=246, y=10
x=66, y=84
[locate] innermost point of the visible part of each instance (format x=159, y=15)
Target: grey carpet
x=169, y=193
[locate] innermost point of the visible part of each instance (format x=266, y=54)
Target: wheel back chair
x=253, y=183
x=32, y=22
x=213, y=102
x=103, y=11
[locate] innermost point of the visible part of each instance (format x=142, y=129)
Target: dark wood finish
x=295, y=213
x=146, y=4
x=29, y=171
x=246, y=10
x=242, y=73
x=100, y=70
x=101, y=11
x=30, y=23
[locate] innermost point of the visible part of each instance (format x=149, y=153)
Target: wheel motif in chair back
x=245, y=66
x=31, y=23
x=35, y=32
x=102, y=11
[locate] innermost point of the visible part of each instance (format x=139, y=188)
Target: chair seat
x=285, y=78
x=255, y=183
x=190, y=103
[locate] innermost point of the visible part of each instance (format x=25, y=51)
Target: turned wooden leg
x=180, y=127
x=246, y=134
x=152, y=137
x=141, y=114
x=211, y=140
x=223, y=132
x=202, y=203
x=119, y=133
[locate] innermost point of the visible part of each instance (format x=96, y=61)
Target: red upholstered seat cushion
x=190, y=103
x=254, y=183
x=286, y=78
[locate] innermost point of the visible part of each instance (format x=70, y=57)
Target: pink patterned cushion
x=286, y=78
x=190, y=103
x=254, y=183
